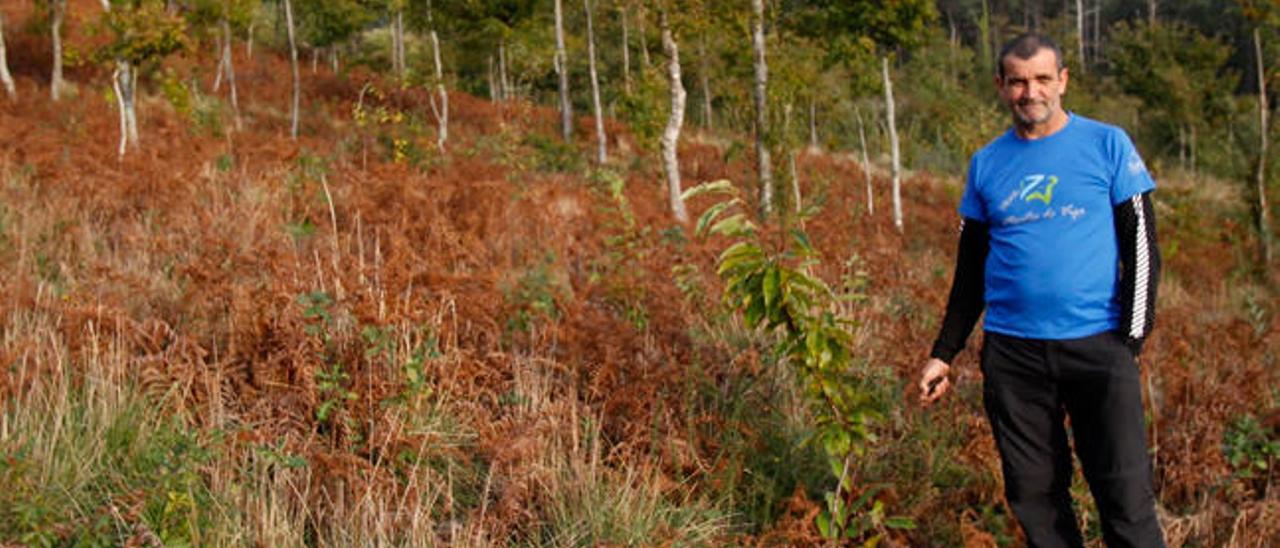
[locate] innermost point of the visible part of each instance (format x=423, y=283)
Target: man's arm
x=966, y=302
x=964, y=307
x=1139, y=268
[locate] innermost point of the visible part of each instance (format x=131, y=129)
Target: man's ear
x=1065, y=76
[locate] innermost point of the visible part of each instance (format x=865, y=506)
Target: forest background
x=473, y=272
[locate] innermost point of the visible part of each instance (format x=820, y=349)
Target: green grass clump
x=95, y=464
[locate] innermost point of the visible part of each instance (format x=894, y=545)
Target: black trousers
x=1030, y=387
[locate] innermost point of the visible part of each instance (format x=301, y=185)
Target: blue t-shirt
x=1052, y=270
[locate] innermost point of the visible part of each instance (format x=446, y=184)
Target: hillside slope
x=372, y=340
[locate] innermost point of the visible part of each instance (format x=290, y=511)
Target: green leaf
x=770, y=286
x=737, y=225
x=710, y=215
x=899, y=522
x=824, y=525
x=739, y=252
x=721, y=186
x=802, y=240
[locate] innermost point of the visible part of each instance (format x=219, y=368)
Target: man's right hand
x=933, y=380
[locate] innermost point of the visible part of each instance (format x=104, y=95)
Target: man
x=1058, y=244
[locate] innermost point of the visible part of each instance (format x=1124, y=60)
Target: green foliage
x=553, y=154
x=533, y=297
x=144, y=32
x=770, y=283
x=1252, y=451
x=324, y=23
x=83, y=471
x=1178, y=72
x=850, y=25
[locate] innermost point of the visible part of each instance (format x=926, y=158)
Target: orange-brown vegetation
x=236, y=274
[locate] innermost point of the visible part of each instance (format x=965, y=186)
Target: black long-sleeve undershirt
x=1139, y=277
x=1139, y=268
x=968, y=292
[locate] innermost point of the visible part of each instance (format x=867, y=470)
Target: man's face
x=1032, y=88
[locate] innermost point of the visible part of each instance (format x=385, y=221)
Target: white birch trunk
x=1260, y=176
x=1153, y=6
x=248, y=43
x=644, y=43
x=441, y=110
x=893, y=144
x=626, y=53
x=398, y=44
x=222, y=64
x=708, y=121
x=562, y=68
x=130, y=99
x=229, y=66
x=813, y=124
x=866, y=165
x=763, y=167
x=1080, y=34
x=504, y=91
x=124, y=118
x=123, y=82
x=55, y=80
x=5, y=77
x=493, y=81
x=791, y=159
x=601, y=145
x=293, y=64
x=671, y=136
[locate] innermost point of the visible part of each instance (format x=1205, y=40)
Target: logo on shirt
x=1037, y=187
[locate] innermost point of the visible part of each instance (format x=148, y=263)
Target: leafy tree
x=1178, y=73
x=862, y=25
x=1264, y=15
x=143, y=33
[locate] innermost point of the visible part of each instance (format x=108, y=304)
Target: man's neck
x=1044, y=129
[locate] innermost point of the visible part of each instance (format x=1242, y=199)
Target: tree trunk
x=791, y=159
x=562, y=69
x=442, y=110
x=493, y=81
x=1260, y=174
x=671, y=136
x=761, y=107
x=1152, y=7
x=601, y=151
x=122, y=82
x=230, y=68
x=397, y=51
x=55, y=81
x=504, y=85
x=866, y=164
x=222, y=63
x=813, y=124
x=293, y=64
x=644, y=43
x=5, y=77
x=1096, y=51
x=1080, y=34
x=893, y=144
x=708, y=122
x=984, y=31
x=315, y=60
x=248, y=43
x=626, y=54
